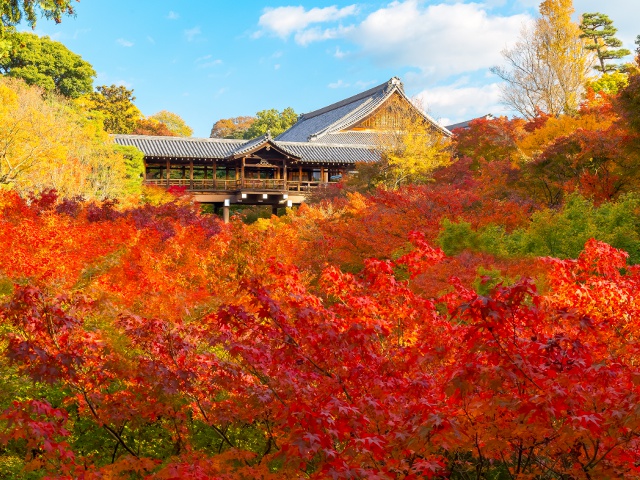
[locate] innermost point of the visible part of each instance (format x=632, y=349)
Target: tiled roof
x=353, y=137
x=314, y=126
x=466, y=123
x=330, y=153
x=221, y=149
x=249, y=145
x=180, y=147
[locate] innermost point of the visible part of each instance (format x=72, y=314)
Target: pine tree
x=598, y=28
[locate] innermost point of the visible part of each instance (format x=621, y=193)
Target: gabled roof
x=259, y=143
x=333, y=119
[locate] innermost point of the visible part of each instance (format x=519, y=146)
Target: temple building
x=318, y=149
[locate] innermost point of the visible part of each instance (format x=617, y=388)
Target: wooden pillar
x=168, y=171
x=225, y=214
x=242, y=172
x=215, y=173
x=284, y=173
x=184, y=172
x=274, y=210
x=191, y=174
x=321, y=174
x=299, y=173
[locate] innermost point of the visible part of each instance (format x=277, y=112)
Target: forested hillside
x=476, y=319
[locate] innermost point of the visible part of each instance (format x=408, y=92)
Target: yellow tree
x=29, y=131
x=410, y=150
x=548, y=67
x=45, y=143
x=173, y=122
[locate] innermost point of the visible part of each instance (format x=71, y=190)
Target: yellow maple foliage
x=45, y=143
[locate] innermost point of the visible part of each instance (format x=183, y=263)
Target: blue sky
x=207, y=60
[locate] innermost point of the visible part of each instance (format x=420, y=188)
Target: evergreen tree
x=599, y=30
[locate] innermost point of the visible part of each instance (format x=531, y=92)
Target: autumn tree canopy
x=236, y=127
x=47, y=144
x=114, y=106
x=173, y=122
x=547, y=68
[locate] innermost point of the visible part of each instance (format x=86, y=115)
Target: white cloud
x=458, y=103
x=173, y=15
x=192, y=33
x=362, y=85
x=359, y=85
x=124, y=43
x=124, y=83
x=439, y=39
x=442, y=40
x=283, y=21
x=207, y=61
x=339, y=84
x=315, y=34
x=339, y=53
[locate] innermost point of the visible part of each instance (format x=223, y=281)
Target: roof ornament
x=269, y=134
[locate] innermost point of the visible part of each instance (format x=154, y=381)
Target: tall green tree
x=46, y=63
x=114, y=105
x=13, y=12
x=598, y=29
x=272, y=121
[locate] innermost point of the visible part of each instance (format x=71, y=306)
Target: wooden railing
x=230, y=185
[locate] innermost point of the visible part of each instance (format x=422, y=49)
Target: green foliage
x=456, y=237
x=13, y=12
x=560, y=234
x=46, y=63
x=114, y=106
x=134, y=166
x=272, y=121
x=599, y=30
x=610, y=83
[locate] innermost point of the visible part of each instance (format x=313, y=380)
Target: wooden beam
x=191, y=174
x=244, y=159
x=168, y=171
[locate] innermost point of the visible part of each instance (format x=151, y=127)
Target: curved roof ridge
x=354, y=98
x=319, y=144
x=370, y=104
x=181, y=139
x=428, y=117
